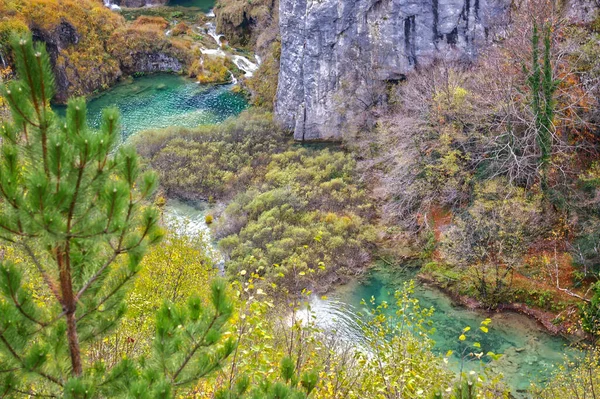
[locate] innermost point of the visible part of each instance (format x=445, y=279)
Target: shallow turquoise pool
x=203, y=5
x=529, y=353
x=159, y=101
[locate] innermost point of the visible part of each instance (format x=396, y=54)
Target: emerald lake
x=159, y=101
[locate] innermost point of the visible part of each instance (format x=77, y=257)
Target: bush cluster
x=296, y=211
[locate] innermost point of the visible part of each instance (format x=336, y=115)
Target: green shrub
x=212, y=161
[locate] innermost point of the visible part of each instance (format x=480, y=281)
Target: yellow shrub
x=211, y=70
x=180, y=29
x=145, y=20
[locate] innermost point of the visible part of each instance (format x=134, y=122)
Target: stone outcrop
x=152, y=63
x=243, y=21
x=582, y=11
x=136, y=3
x=129, y=50
x=57, y=40
x=334, y=51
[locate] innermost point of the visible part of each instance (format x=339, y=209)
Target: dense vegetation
x=76, y=217
x=295, y=213
x=487, y=173
x=491, y=169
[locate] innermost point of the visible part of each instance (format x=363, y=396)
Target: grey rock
x=582, y=11
x=138, y=3
x=152, y=63
x=335, y=52
x=58, y=39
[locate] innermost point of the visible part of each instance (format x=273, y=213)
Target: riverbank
x=544, y=318
x=563, y=322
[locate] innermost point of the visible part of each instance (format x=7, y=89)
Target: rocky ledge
x=335, y=53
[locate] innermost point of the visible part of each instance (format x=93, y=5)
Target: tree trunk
x=69, y=306
x=74, y=343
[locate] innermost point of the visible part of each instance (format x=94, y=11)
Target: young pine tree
x=542, y=86
x=76, y=209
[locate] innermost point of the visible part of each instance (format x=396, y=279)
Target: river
x=529, y=353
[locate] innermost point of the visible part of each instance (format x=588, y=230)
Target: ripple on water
x=529, y=353
x=160, y=101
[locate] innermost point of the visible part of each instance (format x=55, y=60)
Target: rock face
x=152, y=63
x=582, y=11
x=135, y=3
x=334, y=52
x=58, y=39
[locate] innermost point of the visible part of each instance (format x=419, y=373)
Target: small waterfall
x=211, y=29
x=211, y=13
x=218, y=52
x=245, y=65
x=258, y=59
x=190, y=220
x=109, y=4
x=168, y=33
x=3, y=62
x=234, y=80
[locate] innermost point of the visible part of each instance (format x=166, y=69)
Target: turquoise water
x=529, y=353
x=159, y=101
x=203, y=5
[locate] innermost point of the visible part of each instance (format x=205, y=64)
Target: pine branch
x=18, y=358
x=106, y=298
x=45, y=276
x=197, y=346
x=36, y=394
x=97, y=275
x=19, y=306
x=19, y=111
x=198, y=376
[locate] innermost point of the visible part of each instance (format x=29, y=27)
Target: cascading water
x=245, y=65
x=190, y=220
x=211, y=29
x=109, y=4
